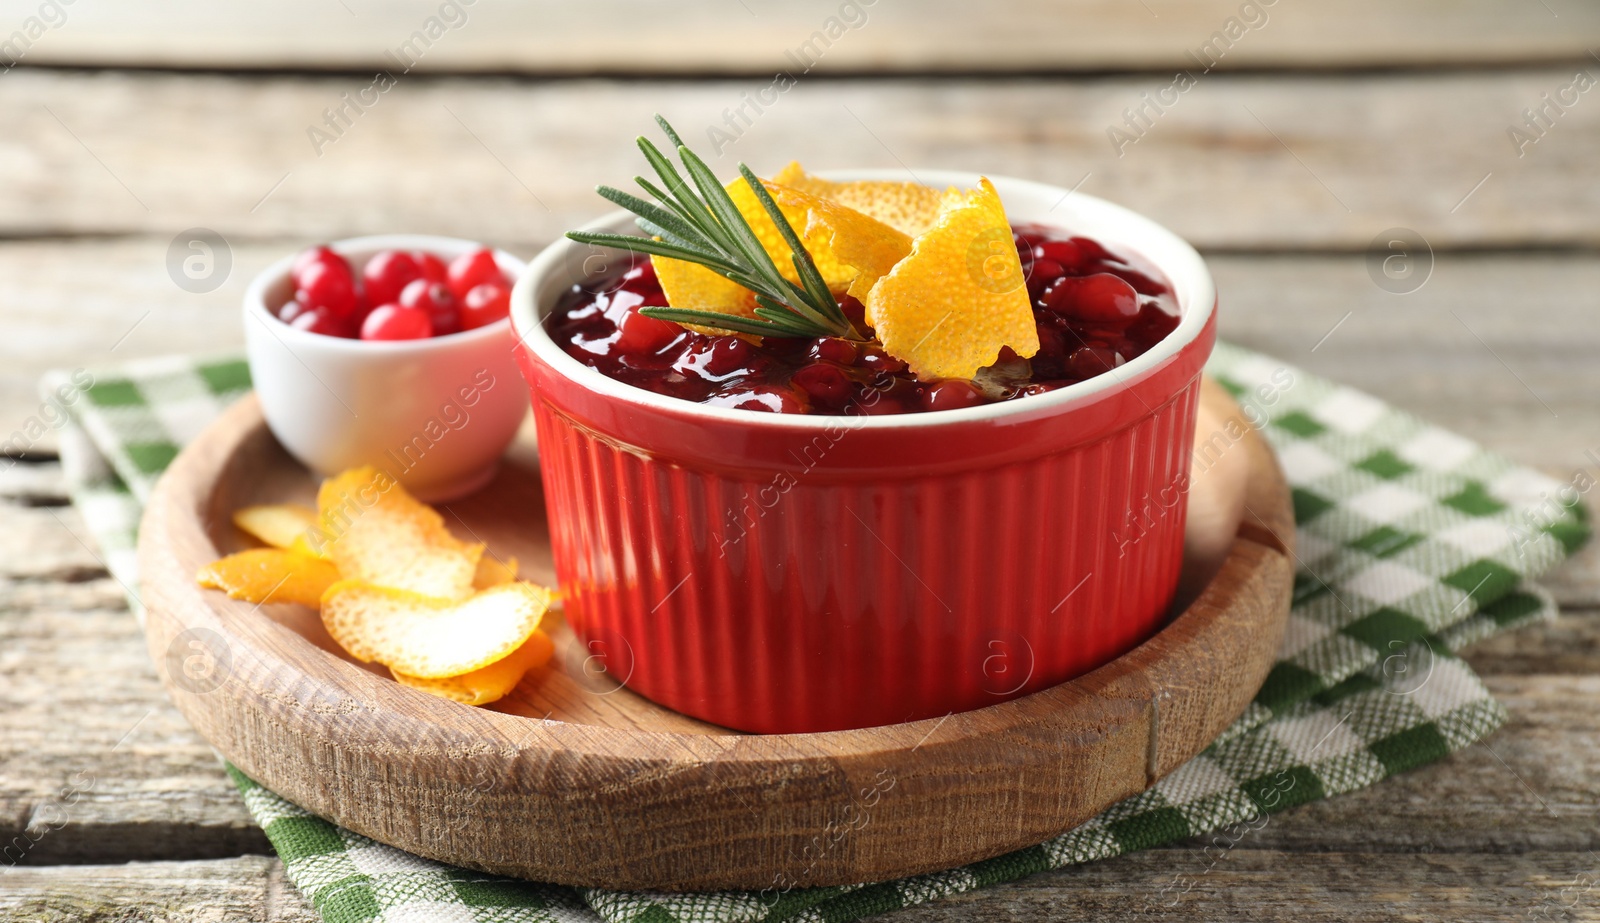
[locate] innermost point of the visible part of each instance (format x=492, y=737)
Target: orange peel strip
x=490, y=683
x=277, y=575
x=492, y=572
x=866, y=245
x=910, y=208
x=426, y=637
x=374, y=531
x=276, y=524
x=948, y=308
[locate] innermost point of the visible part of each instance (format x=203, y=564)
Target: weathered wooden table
x=1319, y=129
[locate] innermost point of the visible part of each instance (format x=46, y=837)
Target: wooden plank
x=1577, y=583
x=95, y=764
x=752, y=36
x=247, y=889
x=1569, y=645
x=1200, y=882
x=35, y=485
x=1237, y=162
x=1260, y=884
x=53, y=552
x=1450, y=352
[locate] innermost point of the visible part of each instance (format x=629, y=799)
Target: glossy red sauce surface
x=1096, y=309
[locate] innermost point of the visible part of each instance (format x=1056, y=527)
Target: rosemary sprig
x=698, y=222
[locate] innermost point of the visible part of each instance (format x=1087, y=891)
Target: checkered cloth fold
x=1412, y=543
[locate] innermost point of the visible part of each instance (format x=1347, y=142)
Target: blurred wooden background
x=1319, y=127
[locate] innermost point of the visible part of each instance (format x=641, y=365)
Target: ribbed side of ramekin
x=790, y=603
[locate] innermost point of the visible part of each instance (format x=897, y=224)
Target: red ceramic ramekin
x=785, y=573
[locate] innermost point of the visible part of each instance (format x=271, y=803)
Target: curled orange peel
x=374, y=531
x=490, y=683
x=394, y=586
x=276, y=524
x=427, y=637
x=262, y=575
x=949, y=307
x=866, y=246
x=908, y=207
x=493, y=571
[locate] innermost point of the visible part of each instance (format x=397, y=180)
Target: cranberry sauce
x=1096, y=309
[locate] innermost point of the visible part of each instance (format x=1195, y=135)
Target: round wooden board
x=575, y=779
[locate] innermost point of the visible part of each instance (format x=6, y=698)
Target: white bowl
x=436, y=414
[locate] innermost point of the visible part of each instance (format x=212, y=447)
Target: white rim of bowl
x=255, y=304
x=1178, y=261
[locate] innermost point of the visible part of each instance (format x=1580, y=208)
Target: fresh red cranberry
x=425, y=295
x=1152, y=327
x=396, y=322
x=643, y=335
x=1093, y=249
x=951, y=395
x=1100, y=298
x=386, y=274
x=1142, y=283
x=833, y=349
x=441, y=306
x=824, y=383
x=432, y=268
x=306, y=258
x=725, y=356
x=321, y=320
x=485, y=304
x=470, y=270
x=328, y=285
x=1041, y=273
x=446, y=322
x=1064, y=253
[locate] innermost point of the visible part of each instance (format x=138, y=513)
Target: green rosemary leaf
x=721, y=204
x=796, y=303
x=668, y=201
x=713, y=319
x=666, y=128
x=657, y=215
x=654, y=247
x=819, y=297
x=666, y=236
x=805, y=324
x=786, y=319
x=694, y=209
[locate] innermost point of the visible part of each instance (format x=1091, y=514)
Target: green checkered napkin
x=1412, y=543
